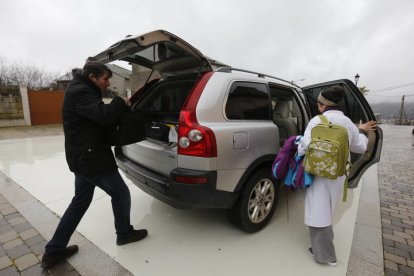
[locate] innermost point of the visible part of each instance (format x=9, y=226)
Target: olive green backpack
x=328, y=151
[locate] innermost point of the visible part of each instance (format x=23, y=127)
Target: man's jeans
x=113, y=184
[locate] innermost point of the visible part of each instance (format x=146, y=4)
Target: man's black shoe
x=133, y=236
x=50, y=260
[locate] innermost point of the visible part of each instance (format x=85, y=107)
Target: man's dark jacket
x=88, y=125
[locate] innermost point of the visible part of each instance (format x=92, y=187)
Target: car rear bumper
x=173, y=192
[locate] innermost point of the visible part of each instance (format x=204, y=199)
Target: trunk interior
x=160, y=104
x=163, y=101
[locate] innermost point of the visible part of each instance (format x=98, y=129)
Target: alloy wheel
x=261, y=200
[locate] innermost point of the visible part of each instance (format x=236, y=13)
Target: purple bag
x=284, y=158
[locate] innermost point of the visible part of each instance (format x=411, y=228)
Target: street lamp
x=356, y=79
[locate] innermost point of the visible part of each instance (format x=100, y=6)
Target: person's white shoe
x=310, y=251
x=332, y=264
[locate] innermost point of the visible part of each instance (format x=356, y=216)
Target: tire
x=257, y=203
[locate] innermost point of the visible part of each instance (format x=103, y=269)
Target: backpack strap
x=324, y=119
x=345, y=192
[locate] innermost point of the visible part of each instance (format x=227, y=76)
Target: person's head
x=330, y=98
x=98, y=73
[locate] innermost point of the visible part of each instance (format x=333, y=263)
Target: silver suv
x=215, y=130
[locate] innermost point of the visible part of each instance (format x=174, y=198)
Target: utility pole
x=402, y=109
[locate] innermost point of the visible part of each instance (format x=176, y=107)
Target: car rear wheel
x=257, y=203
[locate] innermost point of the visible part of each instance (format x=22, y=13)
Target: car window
x=155, y=53
x=281, y=96
x=350, y=105
x=168, y=96
x=248, y=101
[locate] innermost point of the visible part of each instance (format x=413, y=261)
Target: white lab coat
x=324, y=194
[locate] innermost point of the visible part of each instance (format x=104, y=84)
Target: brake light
x=193, y=138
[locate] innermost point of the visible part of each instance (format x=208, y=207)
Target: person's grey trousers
x=322, y=244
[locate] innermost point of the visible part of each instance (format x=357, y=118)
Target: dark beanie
x=332, y=96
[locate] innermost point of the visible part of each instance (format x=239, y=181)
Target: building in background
x=119, y=80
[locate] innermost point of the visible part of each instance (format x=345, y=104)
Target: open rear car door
x=356, y=107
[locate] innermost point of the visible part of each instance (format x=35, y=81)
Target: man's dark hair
x=95, y=68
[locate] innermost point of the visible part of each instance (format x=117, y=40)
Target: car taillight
x=193, y=138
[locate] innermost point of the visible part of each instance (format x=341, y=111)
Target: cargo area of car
x=163, y=101
x=160, y=105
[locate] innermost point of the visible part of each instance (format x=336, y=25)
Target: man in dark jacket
x=88, y=124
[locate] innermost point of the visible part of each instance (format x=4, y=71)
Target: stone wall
x=11, y=109
x=11, y=106
x=14, y=106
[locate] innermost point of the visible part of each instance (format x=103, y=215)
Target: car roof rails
x=228, y=69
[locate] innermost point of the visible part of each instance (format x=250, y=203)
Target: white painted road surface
x=180, y=242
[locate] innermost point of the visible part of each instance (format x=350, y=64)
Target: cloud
x=317, y=40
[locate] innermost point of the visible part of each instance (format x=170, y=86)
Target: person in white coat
x=323, y=195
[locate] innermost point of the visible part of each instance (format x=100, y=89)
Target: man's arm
x=90, y=105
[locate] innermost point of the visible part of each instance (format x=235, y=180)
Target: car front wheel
x=257, y=203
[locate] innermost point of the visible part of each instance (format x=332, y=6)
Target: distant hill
x=392, y=109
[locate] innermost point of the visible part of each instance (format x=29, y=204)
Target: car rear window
x=248, y=101
x=165, y=99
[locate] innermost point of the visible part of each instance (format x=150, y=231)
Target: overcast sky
x=315, y=40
